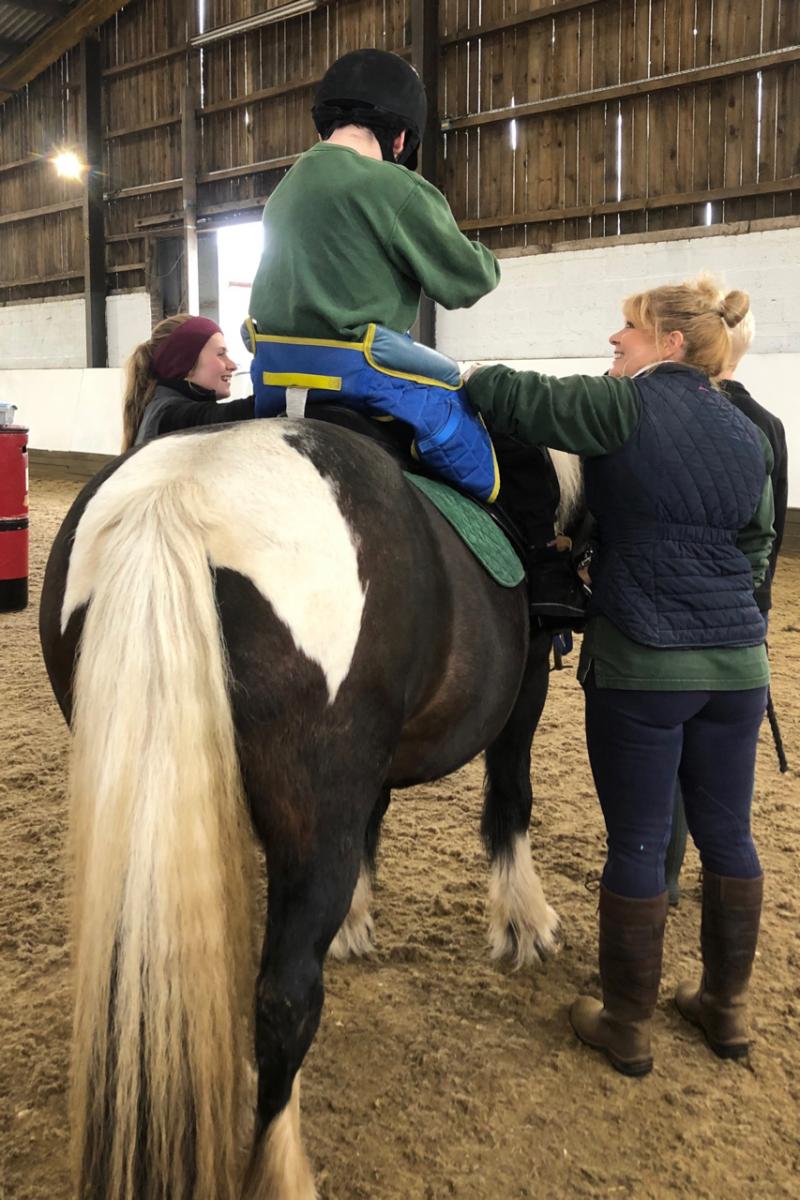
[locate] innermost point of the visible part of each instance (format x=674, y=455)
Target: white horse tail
x=570, y=481
x=161, y=849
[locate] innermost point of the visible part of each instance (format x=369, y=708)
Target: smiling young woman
x=177, y=379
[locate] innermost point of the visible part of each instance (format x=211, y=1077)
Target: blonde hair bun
x=734, y=308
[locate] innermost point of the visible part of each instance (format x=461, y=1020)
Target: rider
x=352, y=237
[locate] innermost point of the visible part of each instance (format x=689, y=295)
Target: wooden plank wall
x=257, y=89
x=47, y=247
x=602, y=147
x=561, y=119
x=144, y=71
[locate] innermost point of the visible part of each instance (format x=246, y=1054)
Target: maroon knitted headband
x=177, y=354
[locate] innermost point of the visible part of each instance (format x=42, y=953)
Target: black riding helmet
x=379, y=90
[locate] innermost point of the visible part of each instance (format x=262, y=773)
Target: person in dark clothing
x=772, y=428
x=673, y=661
x=176, y=380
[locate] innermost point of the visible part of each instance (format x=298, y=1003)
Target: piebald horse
x=258, y=628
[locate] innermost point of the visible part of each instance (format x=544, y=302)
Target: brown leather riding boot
x=728, y=938
x=631, y=946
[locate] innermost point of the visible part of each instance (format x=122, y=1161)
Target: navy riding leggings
x=640, y=743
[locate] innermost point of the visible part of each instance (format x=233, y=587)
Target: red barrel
x=13, y=517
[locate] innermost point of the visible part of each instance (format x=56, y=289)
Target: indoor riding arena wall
x=437, y=1074
x=552, y=311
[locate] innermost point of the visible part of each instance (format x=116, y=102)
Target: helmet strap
x=385, y=139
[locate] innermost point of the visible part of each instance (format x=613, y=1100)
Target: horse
x=255, y=632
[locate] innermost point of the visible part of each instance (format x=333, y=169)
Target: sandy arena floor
x=436, y=1074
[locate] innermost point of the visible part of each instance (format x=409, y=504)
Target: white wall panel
x=51, y=333
x=128, y=318
x=78, y=410
x=565, y=304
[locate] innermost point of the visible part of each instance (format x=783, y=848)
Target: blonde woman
x=673, y=662
x=176, y=380
x=741, y=340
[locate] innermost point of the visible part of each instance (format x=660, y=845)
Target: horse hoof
x=552, y=942
x=548, y=940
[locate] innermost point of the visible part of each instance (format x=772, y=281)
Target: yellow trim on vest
x=495, y=490
x=296, y=341
x=424, y=379
x=323, y=383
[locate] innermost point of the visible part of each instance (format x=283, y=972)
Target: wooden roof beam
x=638, y=87
x=50, y=8
x=10, y=45
x=54, y=41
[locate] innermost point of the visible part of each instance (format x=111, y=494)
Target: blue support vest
x=670, y=505
x=387, y=376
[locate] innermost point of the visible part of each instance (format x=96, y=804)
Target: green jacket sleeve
x=427, y=244
x=582, y=414
x=755, y=540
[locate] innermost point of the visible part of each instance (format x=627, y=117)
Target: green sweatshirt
x=593, y=416
x=349, y=240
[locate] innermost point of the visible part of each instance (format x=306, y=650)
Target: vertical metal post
x=94, y=260
x=425, y=54
x=191, y=102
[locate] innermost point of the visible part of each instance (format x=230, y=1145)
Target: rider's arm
x=426, y=243
x=583, y=414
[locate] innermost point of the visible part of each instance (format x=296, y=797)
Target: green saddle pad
x=476, y=529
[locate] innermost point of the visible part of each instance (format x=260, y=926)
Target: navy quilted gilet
x=669, y=507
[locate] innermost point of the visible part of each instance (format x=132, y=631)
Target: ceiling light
x=68, y=165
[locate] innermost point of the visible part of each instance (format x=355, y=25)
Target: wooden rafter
x=10, y=45
x=545, y=12
x=46, y=210
x=49, y=8
x=771, y=187
x=638, y=87
x=94, y=275
x=55, y=41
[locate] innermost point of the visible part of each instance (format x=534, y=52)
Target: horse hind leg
x=308, y=898
x=356, y=934
x=522, y=925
